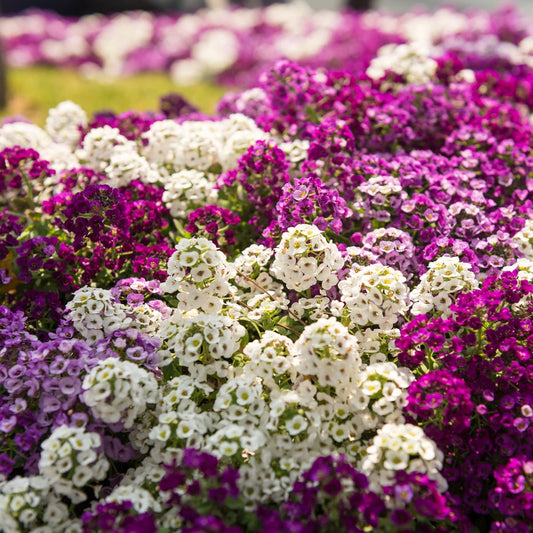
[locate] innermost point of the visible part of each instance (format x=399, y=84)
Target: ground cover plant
x=310, y=311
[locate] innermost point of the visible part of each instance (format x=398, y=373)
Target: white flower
x=98, y=146
x=524, y=239
x=296, y=425
x=395, y=460
x=410, y=60
x=228, y=448
x=327, y=351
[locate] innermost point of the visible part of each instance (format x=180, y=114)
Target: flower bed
x=233, y=46
x=311, y=312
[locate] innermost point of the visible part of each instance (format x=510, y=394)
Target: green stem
x=253, y=282
x=30, y=191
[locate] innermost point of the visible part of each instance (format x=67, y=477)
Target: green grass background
x=33, y=91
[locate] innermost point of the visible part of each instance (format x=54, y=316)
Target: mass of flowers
x=309, y=312
x=233, y=45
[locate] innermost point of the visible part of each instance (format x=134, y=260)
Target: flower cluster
x=71, y=457
x=438, y=286
x=214, y=223
x=374, y=295
x=305, y=258
x=200, y=272
x=118, y=392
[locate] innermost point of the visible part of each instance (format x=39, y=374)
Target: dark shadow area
x=77, y=8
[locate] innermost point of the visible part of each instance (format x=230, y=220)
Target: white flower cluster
x=198, y=145
x=213, y=51
x=375, y=295
x=180, y=421
x=121, y=36
x=296, y=152
x=377, y=345
x=304, y=257
x=203, y=343
x=257, y=294
x=148, y=316
x=141, y=499
x=99, y=146
x=125, y=165
x=401, y=447
x=312, y=309
x=262, y=305
x=330, y=354
x=187, y=190
x=385, y=385
x=29, y=505
x=65, y=122
x=410, y=60
x=70, y=458
x=200, y=272
x=252, y=272
x=272, y=359
x=268, y=477
x=119, y=391
x=524, y=239
x=241, y=407
x=437, y=288
x=25, y=135
x=95, y=312
x=251, y=261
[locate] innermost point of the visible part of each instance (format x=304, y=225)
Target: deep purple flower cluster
x=484, y=420
x=131, y=124
x=110, y=231
x=114, y=517
x=216, y=224
x=320, y=501
x=69, y=183
x=418, y=505
x=331, y=148
x=46, y=271
x=333, y=496
x=513, y=495
x=18, y=168
x=89, y=215
x=441, y=403
x=204, y=491
x=174, y=105
x=256, y=183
